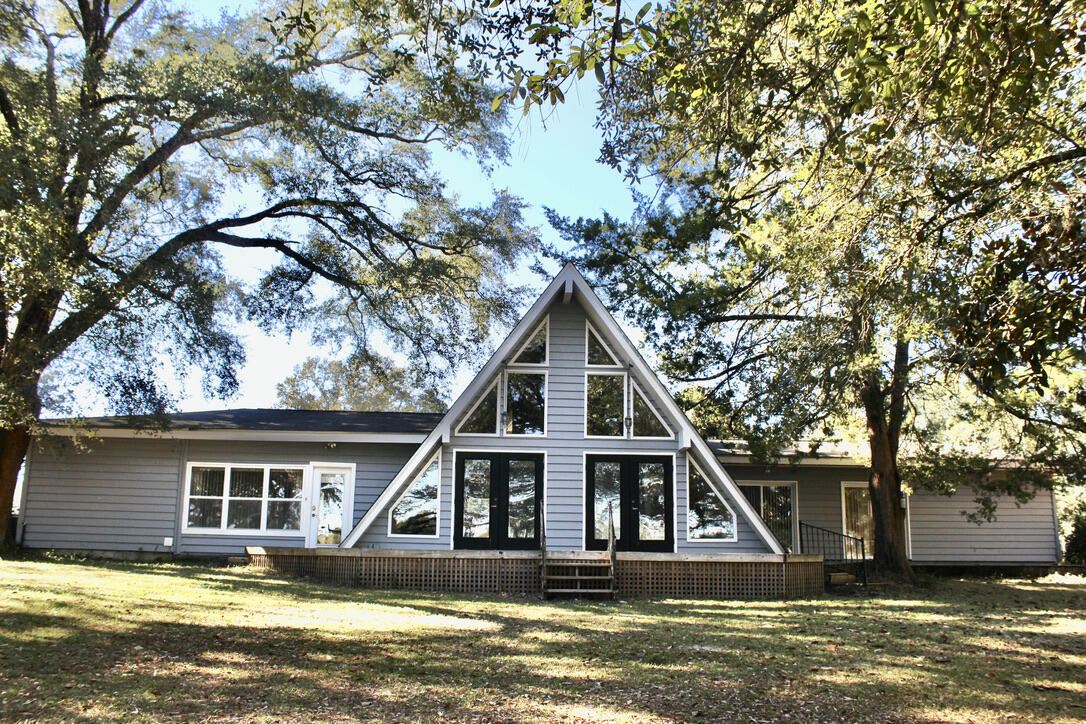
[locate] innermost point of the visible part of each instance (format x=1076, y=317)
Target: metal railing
x=611, y=548
x=835, y=547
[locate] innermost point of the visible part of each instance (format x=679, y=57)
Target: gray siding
x=1019, y=534
x=939, y=533
x=122, y=494
x=118, y=495
x=564, y=446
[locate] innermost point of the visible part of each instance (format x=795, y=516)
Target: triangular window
x=646, y=423
x=535, y=351
x=483, y=420
x=597, y=354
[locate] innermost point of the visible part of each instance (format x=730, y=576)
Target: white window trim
x=497, y=413
x=503, y=405
x=617, y=365
x=546, y=326
x=690, y=466
x=348, y=497
x=908, y=515
x=652, y=409
x=225, y=498
x=437, y=518
x=608, y=372
x=795, y=502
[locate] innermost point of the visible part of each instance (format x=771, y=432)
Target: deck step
x=579, y=578
x=608, y=591
x=838, y=579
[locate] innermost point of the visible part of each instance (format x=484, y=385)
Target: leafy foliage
x=138, y=143
x=356, y=384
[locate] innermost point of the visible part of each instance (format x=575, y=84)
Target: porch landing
x=652, y=575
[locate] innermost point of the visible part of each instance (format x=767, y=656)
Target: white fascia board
x=599, y=314
x=443, y=431
x=244, y=435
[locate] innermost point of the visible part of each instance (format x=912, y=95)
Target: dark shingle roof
x=270, y=419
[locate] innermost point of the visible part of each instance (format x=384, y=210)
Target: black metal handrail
x=835, y=547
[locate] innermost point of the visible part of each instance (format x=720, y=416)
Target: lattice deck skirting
x=652, y=575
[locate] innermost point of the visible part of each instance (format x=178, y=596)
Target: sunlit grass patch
x=109, y=641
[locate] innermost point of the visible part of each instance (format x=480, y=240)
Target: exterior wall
x=564, y=446
x=118, y=495
x=1018, y=535
x=123, y=494
x=939, y=533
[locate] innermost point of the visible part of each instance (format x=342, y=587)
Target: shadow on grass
x=100, y=656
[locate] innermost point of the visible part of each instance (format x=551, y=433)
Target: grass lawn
x=95, y=641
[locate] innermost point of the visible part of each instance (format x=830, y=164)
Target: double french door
x=499, y=498
x=636, y=493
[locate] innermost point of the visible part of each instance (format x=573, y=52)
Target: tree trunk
x=13, y=446
x=884, y=483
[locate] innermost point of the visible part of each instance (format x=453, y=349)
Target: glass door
x=858, y=517
x=328, y=501
x=637, y=492
x=498, y=500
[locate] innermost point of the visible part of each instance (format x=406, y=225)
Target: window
x=859, y=519
x=534, y=352
x=596, y=354
x=646, y=423
x=525, y=396
x=417, y=510
x=773, y=502
x=247, y=498
x=708, y=517
x=483, y=419
x=605, y=405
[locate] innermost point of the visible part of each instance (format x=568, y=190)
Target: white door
x=330, y=501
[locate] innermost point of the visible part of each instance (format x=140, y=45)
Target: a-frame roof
x=568, y=282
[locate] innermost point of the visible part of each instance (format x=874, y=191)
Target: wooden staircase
x=578, y=573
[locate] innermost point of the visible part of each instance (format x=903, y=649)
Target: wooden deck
x=653, y=575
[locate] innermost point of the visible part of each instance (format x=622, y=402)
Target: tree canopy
x=861, y=207
x=137, y=142
x=357, y=384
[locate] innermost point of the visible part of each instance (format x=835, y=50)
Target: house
x=565, y=464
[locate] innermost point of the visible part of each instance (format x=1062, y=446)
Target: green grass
x=95, y=641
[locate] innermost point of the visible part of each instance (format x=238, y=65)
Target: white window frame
x=503, y=401
x=497, y=413
x=609, y=372
x=652, y=408
x=546, y=326
x=313, y=491
x=225, y=499
x=437, y=520
x=588, y=328
x=690, y=466
x=795, y=503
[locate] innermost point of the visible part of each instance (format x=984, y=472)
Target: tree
x=136, y=142
x=357, y=384
x=839, y=179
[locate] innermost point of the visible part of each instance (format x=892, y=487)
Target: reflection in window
x=605, y=405
x=522, y=500
x=607, y=487
x=246, y=492
x=205, y=497
x=535, y=351
x=416, y=513
x=651, y=507
x=596, y=353
x=707, y=518
x=477, y=478
x=285, y=499
x=645, y=421
x=526, y=403
x=484, y=418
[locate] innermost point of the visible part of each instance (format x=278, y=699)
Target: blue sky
x=552, y=163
